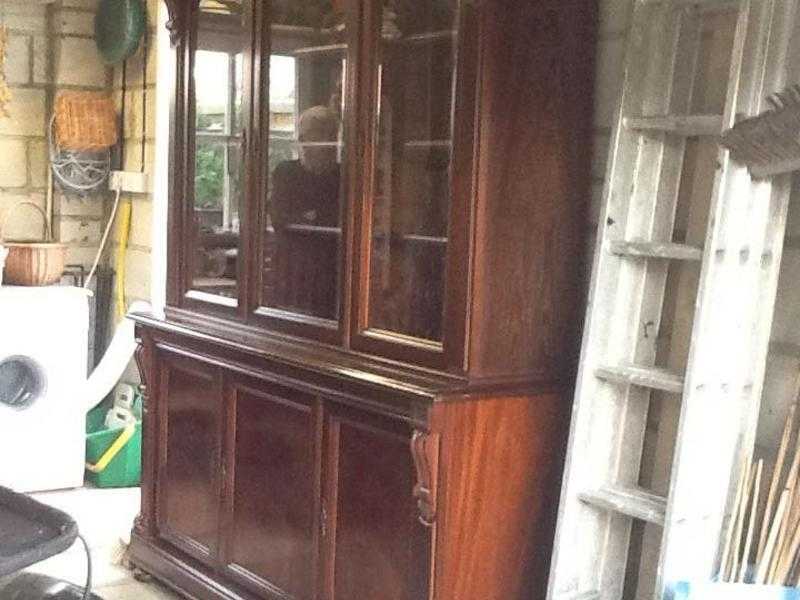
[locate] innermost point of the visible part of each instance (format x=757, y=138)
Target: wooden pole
x=787, y=558
x=776, y=479
x=726, y=553
x=792, y=522
x=791, y=481
x=792, y=514
x=737, y=535
x=752, y=524
x=769, y=547
x=783, y=532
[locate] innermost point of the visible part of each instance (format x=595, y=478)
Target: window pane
x=218, y=76
x=302, y=240
x=411, y=186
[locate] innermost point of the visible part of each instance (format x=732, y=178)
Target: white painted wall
x=165, y=74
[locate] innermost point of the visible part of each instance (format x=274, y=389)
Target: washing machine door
x=22, y=382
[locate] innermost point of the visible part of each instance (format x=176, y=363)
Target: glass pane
x=302, y=240
x=218, y=76
x=411, y=184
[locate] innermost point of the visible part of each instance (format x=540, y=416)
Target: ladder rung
x=656, y=250
x=649, y=377
x=593, y=595
x=633, y=502
x=686, y=125
x=699, y=5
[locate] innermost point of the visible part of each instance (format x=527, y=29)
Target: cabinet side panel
x=533, y=186
x=499, y=471
x=145, y=521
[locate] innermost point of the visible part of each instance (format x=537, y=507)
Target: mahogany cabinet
x=361, y=384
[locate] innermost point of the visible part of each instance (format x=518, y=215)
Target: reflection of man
x=306, y=191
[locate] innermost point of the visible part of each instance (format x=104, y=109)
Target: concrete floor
x=104, y=518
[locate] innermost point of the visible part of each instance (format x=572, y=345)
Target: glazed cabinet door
x=377, y=547
x=211, y=162
x=271, y=537
x=189, y=456
x=418, y=92
x=301, y=203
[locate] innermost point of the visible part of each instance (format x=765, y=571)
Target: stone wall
x=51, y=48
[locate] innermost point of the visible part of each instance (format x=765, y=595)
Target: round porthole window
x=22, y=382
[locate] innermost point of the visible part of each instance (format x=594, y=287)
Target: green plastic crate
x=125, y=469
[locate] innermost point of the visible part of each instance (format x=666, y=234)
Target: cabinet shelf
x=421, y=239
x=302, y=228
x=428, y=144
x=412, y=238
x=318, y=144
x=214, y=282
x=428, y=37
x=302, y=31
x=323, y=50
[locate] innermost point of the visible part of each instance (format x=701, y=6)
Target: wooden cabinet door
x=273, y=507
x=190, y=443
x=377, y=548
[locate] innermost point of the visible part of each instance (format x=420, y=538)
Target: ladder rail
x=742, y=252
x=628, y=151
x=727, y=364
x=776, y=219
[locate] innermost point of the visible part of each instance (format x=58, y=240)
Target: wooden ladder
x=713, y=386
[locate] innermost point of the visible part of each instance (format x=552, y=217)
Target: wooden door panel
x=275, y=499
x=380, y=549
x=190, y=456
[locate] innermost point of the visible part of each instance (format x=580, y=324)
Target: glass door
x=303, y=201
x=406, y=219
x=217, y=130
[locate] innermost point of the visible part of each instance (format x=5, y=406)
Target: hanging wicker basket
x=33, y=263
x=85, y=121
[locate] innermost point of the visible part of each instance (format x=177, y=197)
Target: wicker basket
x=33, y=263
x=85, y=121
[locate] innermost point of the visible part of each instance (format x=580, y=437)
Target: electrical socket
x=133, y=182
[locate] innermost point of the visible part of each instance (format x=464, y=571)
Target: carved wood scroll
x=175, y=24
x=142, y=362
x=425, y=451
x=144, y=523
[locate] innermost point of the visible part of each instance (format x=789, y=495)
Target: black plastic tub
x=31, y=532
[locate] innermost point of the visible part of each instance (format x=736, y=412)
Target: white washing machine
x=43, y=358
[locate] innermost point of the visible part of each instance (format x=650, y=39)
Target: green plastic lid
x=118, y=27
